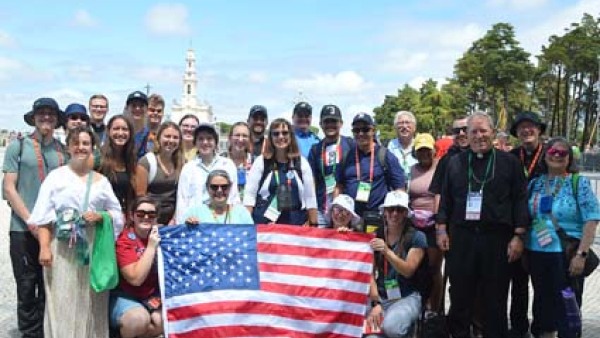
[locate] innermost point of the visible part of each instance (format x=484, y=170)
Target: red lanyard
x=372, y=163
x=534, y=162
x=42, y=160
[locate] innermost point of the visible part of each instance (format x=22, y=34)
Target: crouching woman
x=135, y=306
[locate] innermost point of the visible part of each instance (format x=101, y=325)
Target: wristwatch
x=582, y=254
x=374, y=303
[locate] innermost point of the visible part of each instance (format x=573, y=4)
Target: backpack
x=268, y=166
x=152, y=167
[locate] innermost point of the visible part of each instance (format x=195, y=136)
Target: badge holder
x=363, y=192
x=272, y=213
x=392, y=288
x=541, y=232
x=330, y=184
x=474, y=202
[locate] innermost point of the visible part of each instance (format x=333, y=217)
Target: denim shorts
x=119, y=304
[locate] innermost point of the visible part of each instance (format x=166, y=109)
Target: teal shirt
x=238, y=214
x=29, y=181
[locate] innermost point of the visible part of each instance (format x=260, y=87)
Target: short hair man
x=257, y=121
x=27, y=162
x=156, y=110
x=325, y=158
x=402, y=146
x=98, y=107
x=460, y=144
x=486, y=211
x=136, y=109
x=301, y=121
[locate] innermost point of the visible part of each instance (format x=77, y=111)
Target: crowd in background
x=497, y=215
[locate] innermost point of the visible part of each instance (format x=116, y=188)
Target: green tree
x=408, y=98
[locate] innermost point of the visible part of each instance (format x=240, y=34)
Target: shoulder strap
x=267, y=167
x=298, y=167
x=575, y=186
x=381, y=158
x=152, y=167
x=21, y=141
x=87, y=191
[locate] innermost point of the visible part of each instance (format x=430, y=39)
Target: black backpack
x=269, y=165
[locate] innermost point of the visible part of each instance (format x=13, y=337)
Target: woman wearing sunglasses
x=559, y=198
x=280, y=186
x=341, y=215
x=399, y=250
x=135, y=306
x=218, y=210
x=66, y=214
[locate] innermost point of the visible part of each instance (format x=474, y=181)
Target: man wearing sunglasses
x=77, y=116
x=528, y=127
x=369, y=173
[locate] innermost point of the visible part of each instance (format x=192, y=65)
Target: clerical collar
x=98, y=128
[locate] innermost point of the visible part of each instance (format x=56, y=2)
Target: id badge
x=392, y=288
x=541, y=232
x=330, y=184
x=546, y=204
x=363, y=192
x=272, y=212
x=474, y=201
x=332, y=155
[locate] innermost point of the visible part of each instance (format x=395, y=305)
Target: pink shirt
x=420, y=197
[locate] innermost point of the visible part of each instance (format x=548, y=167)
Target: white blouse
x=63, y=188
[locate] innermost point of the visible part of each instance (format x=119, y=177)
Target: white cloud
x=168, y=19
x=6, y=40
x=156, y=74
x=82, y=18
x=13, y=69
x=458, y=37
x=345, y=82
x=258, y=77
x=517, y=4
x=401, y=61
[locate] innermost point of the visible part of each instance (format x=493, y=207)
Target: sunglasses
x=145, y=214
x=395, y=209
x=216, y=187
x=284, y=133
x=457, y=131
x=557, y=152
x=363, y=130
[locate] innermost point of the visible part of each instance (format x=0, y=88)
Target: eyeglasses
x=363, y=130
x=145, y=214
x=216, y=187
x=456, y=131
x=557, y=152
x=284, y=133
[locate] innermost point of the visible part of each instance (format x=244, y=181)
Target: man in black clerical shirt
x=483, y=206
x=528, y=127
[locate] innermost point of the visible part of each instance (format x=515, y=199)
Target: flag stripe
x=317, y=292
x=324, y=243
x=330, y=235
x=268, y=309
x=255, y=331
x=263, y=296
x=315, y=262
x=292, y=326
x=266, y=277
x=315, y=272
x=322, y=253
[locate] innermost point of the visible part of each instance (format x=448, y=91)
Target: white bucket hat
x=347, y=203
x=396, y=199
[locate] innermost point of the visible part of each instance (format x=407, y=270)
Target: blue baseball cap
x=363, y=117
x=76, y=108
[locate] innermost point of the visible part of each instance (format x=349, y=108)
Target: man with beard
x=27, y=162
x=402, y=147
x=482, y=218
x=136, y=109
x=257, y=121
x=528, y=127
x=302, y=119
x=98, y=107
x=325, y=158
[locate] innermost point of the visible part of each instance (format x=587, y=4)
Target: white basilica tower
x=189, y=99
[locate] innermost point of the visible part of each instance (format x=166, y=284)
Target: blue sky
x=350, y=53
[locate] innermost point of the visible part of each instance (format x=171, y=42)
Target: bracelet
x=374, y=303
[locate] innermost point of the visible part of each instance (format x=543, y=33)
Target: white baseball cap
x=347, y=203
x=396, y=198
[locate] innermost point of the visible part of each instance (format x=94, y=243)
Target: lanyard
x=557, y=186
x=276, y=173
x=339, y=155
x=487, y=170
x=41, y=159
x=533, y=162
x=371, y=166
x=226, y=215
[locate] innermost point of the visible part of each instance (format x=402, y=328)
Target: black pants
x=478, y=260
x=519, y=293
x=24, y=255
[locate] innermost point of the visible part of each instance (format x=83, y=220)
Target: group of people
x=479, y=207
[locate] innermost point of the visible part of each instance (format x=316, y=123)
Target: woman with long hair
x=240, y=152
x=159, y=169
x=188, y=125
x=280, y=187
x=135, y=307
x=118, y=161
x=68, y=209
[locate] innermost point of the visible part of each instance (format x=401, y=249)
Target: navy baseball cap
x=331, y=112
x=363, y=117
x=208, y=127
x=258, y=110
x=137, y=95
x=76, y=108
x=302, y=107
x=41, y=103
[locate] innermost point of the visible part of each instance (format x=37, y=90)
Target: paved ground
x=8, y=326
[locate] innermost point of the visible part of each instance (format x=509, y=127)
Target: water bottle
x=572, y=313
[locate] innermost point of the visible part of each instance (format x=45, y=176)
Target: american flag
x=223, y=280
